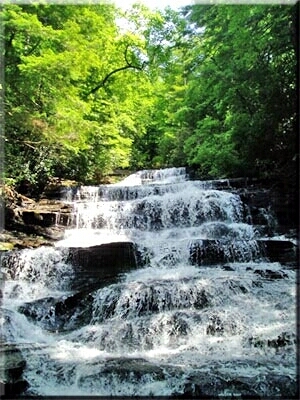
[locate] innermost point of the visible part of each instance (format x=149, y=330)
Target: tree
x=75, y=100
x=242, y=99
x=211, y=86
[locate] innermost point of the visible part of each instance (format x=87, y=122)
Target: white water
x=160, y=325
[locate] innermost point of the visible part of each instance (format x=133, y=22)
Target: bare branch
x=128, y=65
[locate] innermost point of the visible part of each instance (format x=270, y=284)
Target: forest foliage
x=91, y=88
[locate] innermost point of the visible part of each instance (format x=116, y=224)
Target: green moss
x=5, y=246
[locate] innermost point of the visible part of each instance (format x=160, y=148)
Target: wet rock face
x=285, y=204
x=282, y=340
x=206, y=386
x=281, y=205
x=122, y=369
x=136, y=367
x=10, y=240
x=283, y=251
x=11, y=369
x=214, y=251
x=280, y=196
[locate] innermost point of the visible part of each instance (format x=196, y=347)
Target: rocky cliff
x=31, y=223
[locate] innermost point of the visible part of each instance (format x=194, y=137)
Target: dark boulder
x=122, y=369
x=270, y=275
x=101, y=263
x=62, y=314
x=283, y=251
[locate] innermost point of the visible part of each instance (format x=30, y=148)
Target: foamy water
x=163, y=325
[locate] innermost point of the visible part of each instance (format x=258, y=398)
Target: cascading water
x=204, y=314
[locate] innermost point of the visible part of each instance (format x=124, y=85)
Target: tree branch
x=128, y=65
x=35, y=46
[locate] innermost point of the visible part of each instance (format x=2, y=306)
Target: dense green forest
x=92, y=88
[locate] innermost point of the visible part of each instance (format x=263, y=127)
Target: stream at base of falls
x=184, y=321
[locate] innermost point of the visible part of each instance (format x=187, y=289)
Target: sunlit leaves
x=55, y=56
x=96, y=88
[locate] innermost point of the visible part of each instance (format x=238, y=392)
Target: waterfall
x=202, y=312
